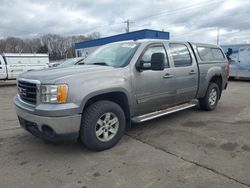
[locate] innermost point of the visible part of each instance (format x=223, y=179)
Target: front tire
x=209, y=102
x=103, y=125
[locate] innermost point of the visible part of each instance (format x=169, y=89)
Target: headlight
x=54, y=93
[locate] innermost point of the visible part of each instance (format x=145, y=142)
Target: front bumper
x=50, y=128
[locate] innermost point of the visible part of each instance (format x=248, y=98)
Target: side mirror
x=157, y=61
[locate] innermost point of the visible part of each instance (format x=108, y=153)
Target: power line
x=169, y=12
x=213, y=28
x=163, y=12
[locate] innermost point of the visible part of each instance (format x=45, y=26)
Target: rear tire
x=103, y=125
x=209, y=102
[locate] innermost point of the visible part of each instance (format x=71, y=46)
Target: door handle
x=192, y=72
x=168, y=76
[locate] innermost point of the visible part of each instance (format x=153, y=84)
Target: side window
x=146, y=58
x=205, y=53
x=210, y=54
x=180, y=54
x=217, y=54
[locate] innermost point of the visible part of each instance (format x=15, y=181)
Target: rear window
x=210, y=54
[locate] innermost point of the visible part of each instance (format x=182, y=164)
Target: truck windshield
x=115, y=55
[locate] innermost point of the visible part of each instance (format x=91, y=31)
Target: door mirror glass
x=157, y=61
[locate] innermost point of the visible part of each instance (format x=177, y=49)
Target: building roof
x=135, y=35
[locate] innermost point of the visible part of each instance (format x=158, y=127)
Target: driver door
x=3, y=73
x=153, y=89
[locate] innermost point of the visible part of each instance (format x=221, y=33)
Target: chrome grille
x=27, y=91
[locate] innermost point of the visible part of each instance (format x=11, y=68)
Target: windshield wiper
x=80, y=63
x=96, y=63
x=100, y=63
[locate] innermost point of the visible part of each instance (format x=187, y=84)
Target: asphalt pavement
x=191, y=148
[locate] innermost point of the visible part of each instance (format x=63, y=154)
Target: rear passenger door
x=185, y=71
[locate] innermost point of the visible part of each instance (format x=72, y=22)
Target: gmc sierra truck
x=119, y=83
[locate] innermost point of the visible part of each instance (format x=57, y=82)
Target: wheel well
x=218, y=80
x=118, y=97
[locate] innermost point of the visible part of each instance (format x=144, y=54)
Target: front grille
x=27, y=91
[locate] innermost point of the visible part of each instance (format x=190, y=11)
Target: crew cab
x=119, y=83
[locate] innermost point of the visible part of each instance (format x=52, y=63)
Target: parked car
x=12, y=64
x=118, y=84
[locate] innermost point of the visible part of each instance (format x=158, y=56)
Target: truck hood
x=52, y=75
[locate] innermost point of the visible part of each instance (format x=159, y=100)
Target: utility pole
x=218, y=36
x=128, y=22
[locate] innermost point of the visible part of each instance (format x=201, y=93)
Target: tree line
x=58, y=47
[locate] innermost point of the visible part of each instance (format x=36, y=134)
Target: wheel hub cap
x=106, y=127
x=212, y=97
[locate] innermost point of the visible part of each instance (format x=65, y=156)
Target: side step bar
x=156, y=114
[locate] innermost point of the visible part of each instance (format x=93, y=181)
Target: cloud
x=186, y=20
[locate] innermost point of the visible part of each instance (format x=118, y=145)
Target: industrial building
x=86, y=47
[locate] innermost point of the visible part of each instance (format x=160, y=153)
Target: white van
x=239, y=59
x=12, y=64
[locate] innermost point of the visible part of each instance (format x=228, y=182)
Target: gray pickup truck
x=119, y=83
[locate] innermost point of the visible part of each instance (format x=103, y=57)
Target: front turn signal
x=62, y=93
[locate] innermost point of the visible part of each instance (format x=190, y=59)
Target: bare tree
x=58, y=47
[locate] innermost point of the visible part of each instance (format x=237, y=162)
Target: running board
x=156, y=114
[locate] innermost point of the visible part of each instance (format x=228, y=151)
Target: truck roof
x=165, y=40
x=204, y=44
x=24, y=55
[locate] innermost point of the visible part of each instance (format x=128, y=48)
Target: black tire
x=204, y=102
x=89, y=122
